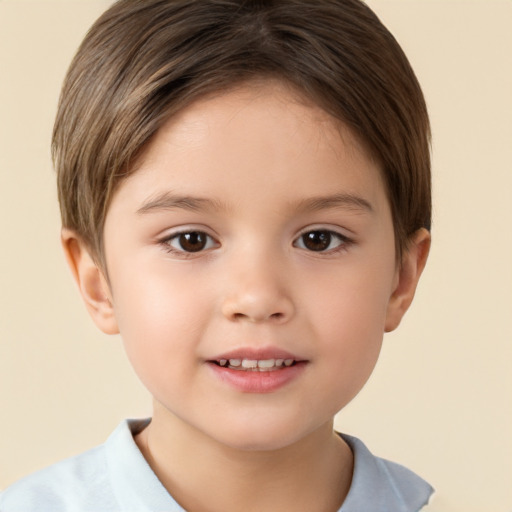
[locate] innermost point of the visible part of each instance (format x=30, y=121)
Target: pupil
x=317, y=240
x=193, y=242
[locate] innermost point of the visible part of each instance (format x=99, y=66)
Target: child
x=245, y=198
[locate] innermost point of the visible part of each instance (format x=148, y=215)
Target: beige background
x=440, y=400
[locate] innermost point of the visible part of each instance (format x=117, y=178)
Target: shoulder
x=74, y=484
x=110, y=478
x=383, y=485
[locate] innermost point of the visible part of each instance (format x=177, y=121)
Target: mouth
x=255, y=365
x=257, y=370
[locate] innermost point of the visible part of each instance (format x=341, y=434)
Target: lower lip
x=256, y=381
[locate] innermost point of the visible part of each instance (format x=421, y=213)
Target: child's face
x=255, y=229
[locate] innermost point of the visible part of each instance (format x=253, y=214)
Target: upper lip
x=257, y=354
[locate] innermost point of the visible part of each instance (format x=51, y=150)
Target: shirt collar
x=134, y=483
x=377, y=485
x=380, y=485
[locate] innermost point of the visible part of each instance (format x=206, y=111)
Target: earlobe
x=91, y=282
x=408, y=275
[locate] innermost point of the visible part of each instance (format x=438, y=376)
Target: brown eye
x=191, y=241
x=320, y=240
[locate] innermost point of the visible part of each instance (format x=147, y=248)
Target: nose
x=257, y=292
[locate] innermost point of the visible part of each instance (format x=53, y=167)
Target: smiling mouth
x=256, y=365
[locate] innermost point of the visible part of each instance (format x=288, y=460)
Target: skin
x=273, y=168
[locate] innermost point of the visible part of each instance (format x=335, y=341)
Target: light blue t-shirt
x=115, y=477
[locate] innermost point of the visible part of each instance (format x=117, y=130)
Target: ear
x=408, y=275
x=91, y=281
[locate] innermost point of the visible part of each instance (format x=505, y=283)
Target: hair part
x=145, y=60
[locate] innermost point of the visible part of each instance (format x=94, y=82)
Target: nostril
x=253, y=307
x=258, y=318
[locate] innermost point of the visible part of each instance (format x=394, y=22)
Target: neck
x=203, y=475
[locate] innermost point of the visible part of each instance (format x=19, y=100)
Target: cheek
x=353, y=330
x=349, y=316
x=159, y=322
x=159, y=313
x=352, y=348
x=352, y=299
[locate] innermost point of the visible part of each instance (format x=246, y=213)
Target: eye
x=320, y=240
x=190, y=241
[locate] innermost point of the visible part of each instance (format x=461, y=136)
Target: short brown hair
x=144, y=60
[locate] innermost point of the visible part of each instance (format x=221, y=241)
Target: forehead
x=259, y=103
x=261, y=138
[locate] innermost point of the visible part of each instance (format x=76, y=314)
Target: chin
x=261, y=436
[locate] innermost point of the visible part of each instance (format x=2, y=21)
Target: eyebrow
x=344, y=201
x=170, y=201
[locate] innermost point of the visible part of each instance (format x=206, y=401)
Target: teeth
x=255, y=364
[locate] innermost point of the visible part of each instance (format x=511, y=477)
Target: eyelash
x=327, y=234
x=343, y=241
x=167, y=243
